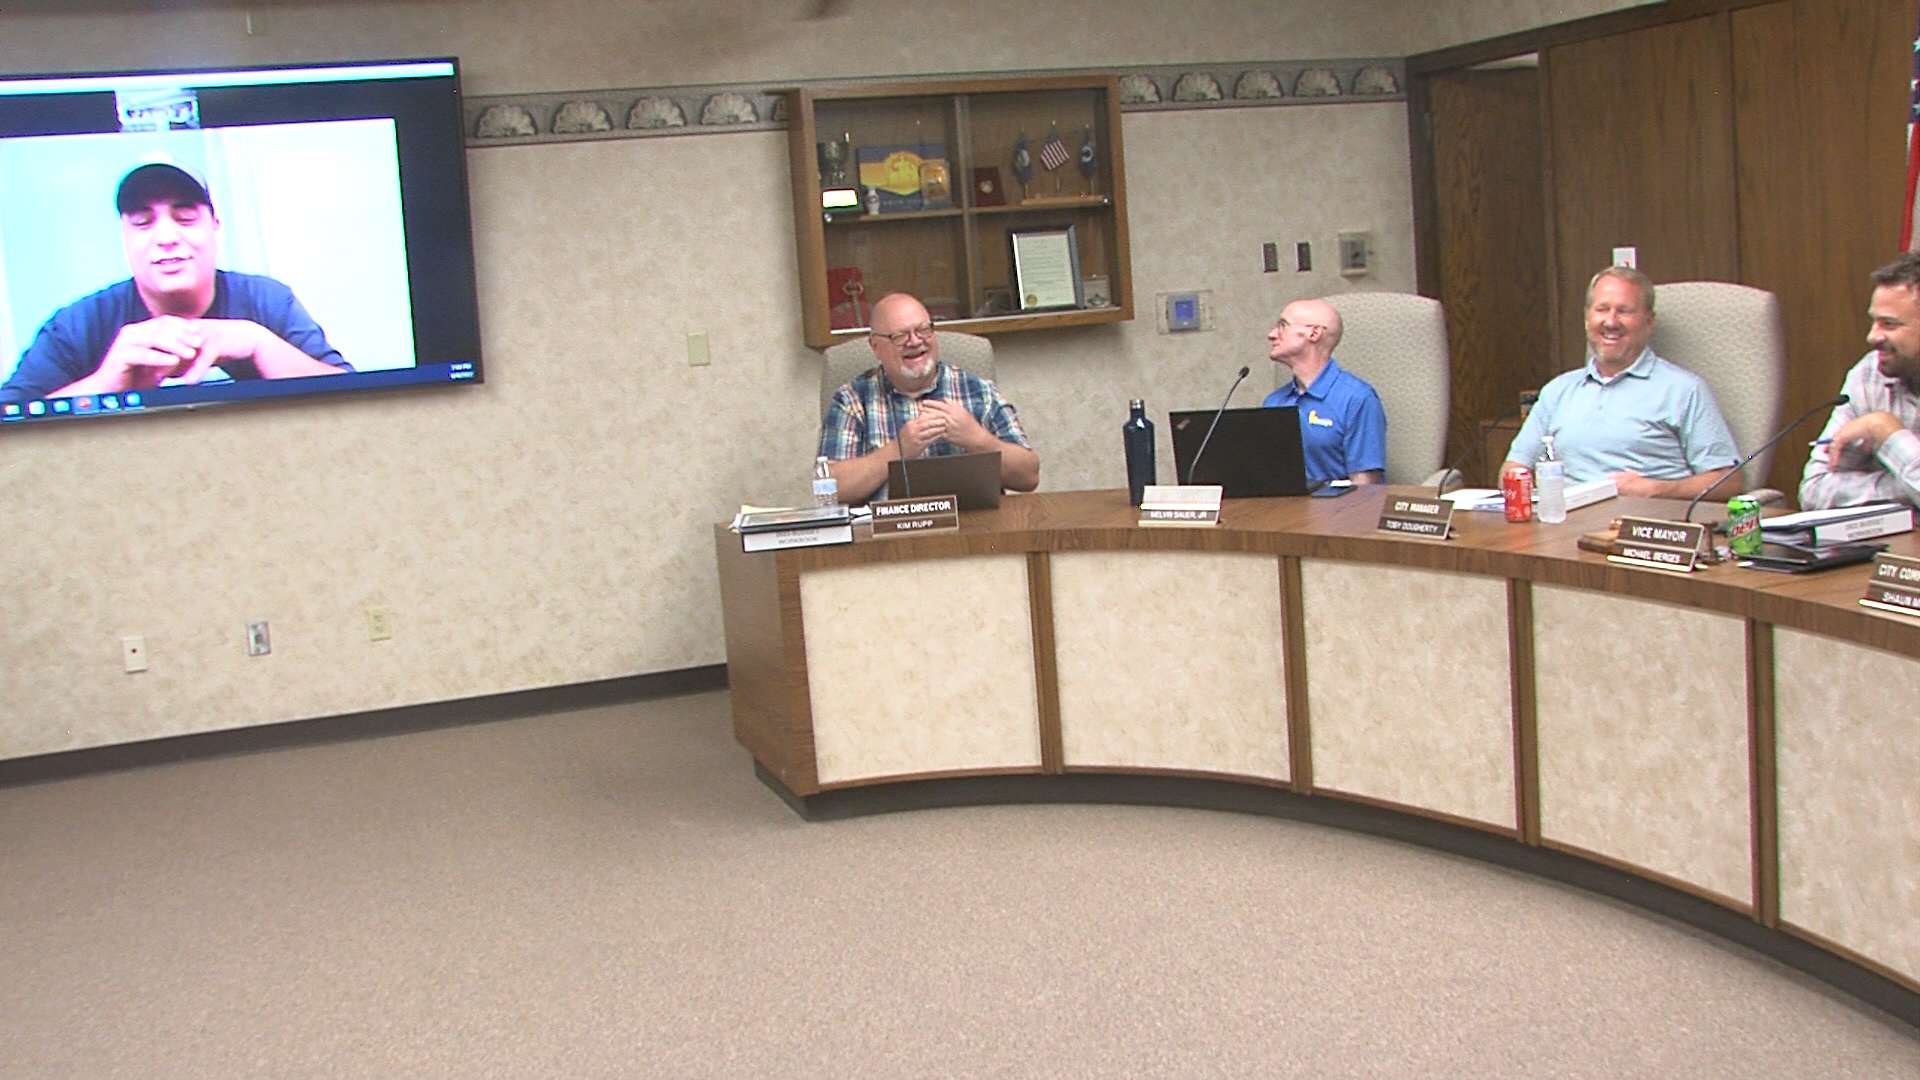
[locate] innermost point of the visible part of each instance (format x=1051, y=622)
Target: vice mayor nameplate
x=1653, y=544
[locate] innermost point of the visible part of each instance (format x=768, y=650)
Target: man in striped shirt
x=1870, y=450
x=913, y=405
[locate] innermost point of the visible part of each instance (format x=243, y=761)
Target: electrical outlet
x=697, y=355
x=379, y=624
x=133, y=653
x=258, y=643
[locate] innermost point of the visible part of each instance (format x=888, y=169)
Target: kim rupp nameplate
x=904, y=517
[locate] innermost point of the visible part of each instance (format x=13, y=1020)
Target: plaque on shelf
x=936, y=189
x=894, y=173
x=1046, y=268
x=988, y=188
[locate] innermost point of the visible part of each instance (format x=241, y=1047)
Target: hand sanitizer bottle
x=1550, y=480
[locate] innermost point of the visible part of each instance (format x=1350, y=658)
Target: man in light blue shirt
x=1647, y=423
x=1343, y=427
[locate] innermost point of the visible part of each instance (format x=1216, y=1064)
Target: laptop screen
x=975, y=478
x=1253, y=451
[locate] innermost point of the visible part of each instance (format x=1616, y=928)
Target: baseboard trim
x=1867, y=985
x=67, y=764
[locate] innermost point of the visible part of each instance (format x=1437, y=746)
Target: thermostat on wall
x=1183, y=311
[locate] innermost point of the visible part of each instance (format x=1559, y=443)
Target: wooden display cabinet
x=954, y=252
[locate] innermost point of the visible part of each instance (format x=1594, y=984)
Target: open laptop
x=1253, y=452
x=975, y=478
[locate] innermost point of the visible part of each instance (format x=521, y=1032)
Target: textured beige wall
x=551, y=527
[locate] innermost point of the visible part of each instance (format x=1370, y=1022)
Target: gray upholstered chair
x=848, y=358
x=1730, y=336
x=1398, y=342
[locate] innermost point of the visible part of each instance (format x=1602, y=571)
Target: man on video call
x=178, y=319
x=914, y=404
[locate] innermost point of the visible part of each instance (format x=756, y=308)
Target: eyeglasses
x=1283, y=325
x=900, y=337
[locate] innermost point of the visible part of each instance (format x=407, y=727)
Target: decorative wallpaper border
x=578, y=115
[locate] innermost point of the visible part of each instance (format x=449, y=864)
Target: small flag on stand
x=1022, y=162
x=1053, y=153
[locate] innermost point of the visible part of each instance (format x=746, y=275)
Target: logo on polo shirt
x=1314, y=418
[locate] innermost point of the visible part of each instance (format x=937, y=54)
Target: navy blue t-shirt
x=75, y=340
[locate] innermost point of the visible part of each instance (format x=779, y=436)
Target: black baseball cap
x=156, y=179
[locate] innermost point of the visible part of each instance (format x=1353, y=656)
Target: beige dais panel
x=1408, y=694
x=1642, y=711
x=1171, y=660
x=919, y=667
x=1848, y=747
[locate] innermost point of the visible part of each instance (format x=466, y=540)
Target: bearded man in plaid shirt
x=1870, y=450
x=913, y=405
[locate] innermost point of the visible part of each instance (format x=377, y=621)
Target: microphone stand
x=1194, y=466
x=1835, y=403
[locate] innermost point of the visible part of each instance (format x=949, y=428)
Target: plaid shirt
x=868, y=413
x=1897, y=475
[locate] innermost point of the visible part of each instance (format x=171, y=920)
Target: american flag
x=1908, y=240
x=1053, y=153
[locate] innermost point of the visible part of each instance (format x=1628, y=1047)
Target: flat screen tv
x=178, y=239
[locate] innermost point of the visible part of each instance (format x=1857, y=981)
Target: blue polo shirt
x=1655, y=418
x=1343, y=427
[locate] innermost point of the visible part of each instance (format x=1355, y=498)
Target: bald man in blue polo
x=1343, y=427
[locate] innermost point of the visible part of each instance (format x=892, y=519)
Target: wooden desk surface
x=1345, y=528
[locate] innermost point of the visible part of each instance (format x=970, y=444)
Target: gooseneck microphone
x=1194, y=466
x=1837, y=401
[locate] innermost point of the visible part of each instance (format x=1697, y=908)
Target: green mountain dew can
x=1743, y=525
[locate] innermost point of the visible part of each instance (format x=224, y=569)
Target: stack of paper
x=1585, y=493
x=1840, y=526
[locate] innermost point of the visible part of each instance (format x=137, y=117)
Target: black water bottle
x=1137, y=434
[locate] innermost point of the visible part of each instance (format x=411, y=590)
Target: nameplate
x=928, y=514
x=1895, y=585
x=1196, y=505
x=1652, y=544
x=1174, y=515
x=1417, y=516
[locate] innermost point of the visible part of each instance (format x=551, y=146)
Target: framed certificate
x=1046, y=268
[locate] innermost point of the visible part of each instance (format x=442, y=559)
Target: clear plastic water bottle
x=826, y=490
x=1137, y=435
x=1550, y=482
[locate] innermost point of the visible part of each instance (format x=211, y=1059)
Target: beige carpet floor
x=610, y=893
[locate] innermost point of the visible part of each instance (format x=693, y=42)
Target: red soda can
x=1517, y=487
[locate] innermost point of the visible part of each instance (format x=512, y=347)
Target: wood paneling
x=1641, y=133
x=1820, y=103
x=1756, y=141
x=1490, y=224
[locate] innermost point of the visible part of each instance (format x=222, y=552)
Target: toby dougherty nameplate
x=1895, y=585
x=1652, y=544
x=905, y=517
x=1417, y=515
